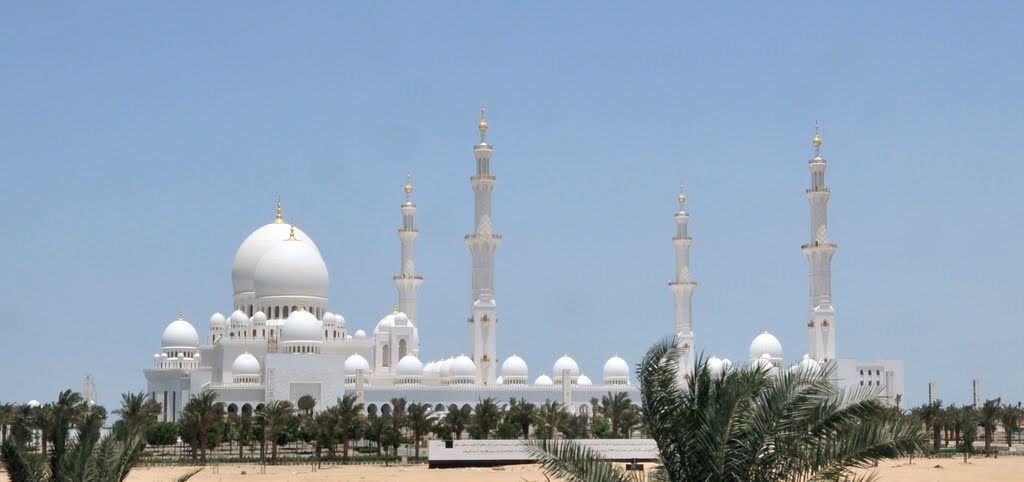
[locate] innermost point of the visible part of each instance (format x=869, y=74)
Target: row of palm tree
x=949, y=423
x=61, y=441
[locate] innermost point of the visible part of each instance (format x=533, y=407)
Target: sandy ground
x=980, y=469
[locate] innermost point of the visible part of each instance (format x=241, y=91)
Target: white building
x=281, y=342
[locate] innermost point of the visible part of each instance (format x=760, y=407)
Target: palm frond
x=572, y=462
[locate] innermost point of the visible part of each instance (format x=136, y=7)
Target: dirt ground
x=949, y=470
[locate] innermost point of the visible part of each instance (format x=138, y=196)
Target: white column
x=821, y=315
x=682, y=290
x=407, y=282
x=482, y=243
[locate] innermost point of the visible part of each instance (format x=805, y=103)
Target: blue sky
x=141, y=142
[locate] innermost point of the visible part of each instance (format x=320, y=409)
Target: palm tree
x=274, y=418
x=83, y=458
x=988, y=415
x=7, y=415
x=1010, y=420
x=324, y=428
x=931, y=415
x=522, y=413
x=137, y=411
x=397, y=420
x=549, y=418
x=347, y=414
x=420, y=420
x=457, y=418
x=242, y=424
x=747, y=424
x=486, y=416
x=201, y=412
x=614, y=407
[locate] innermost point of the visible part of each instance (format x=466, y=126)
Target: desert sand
x=951, y=470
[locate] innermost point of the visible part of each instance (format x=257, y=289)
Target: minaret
x=682, y=290
x=407, y=282
x=821, y=326
x=482, y=244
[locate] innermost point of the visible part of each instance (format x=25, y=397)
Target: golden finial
x=766, y=331
x=408, y=187
x=291, y=233
x=682, y=196
x=279, y=219
x=483, y=119
x=817, y=139
x=394, y=309
x=181, y=316
x=302, y=307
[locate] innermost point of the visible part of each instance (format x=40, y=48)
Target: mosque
x=282, y=343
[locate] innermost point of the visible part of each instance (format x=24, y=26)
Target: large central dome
x=291, y=268
x=256, y=246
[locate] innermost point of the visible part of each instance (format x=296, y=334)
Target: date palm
x=550, y=416
x=397, y=419
x=457, y=418
x=931, y=415
x=1010, y=421
x=138, y=411
x=988, y=416
x=522, y=413
x=486, y=416
x=347, y=414
x=747, y=424
x=274, y=417
x=419, y=420
x=200, y=413
x=615, y=407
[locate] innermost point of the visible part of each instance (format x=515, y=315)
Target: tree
x=162, y=433
x=324, y=429
x=486, y=416
x=614, y=407
x=419, y=420
x=970, y=434
x=747, y=424
x=1010, y=420
x=8, y=413
x=275, y=418
x=83, y=458
x=199, y=415
x=574, y=426
x=521, y=413
x=138, y=411
x=376, y=429
x=241, y=425
x=457, y=418
x=988, y=415
x=397, y=419
x=347, y=414
x=931, y=415
x=549, y=417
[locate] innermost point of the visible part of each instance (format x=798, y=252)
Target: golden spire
x=682, y=196
x=181, y=316
x=394, y=309
x=408, y=187
x=483, y=124
x=279, y=219
x=817, y=139
x=302, y=307
x=291, y=233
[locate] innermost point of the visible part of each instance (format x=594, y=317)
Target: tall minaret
x=407, y=281
x=482, y=243
x=821, y=321
x=682, y=290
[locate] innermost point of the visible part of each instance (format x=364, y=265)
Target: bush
x=162, y=433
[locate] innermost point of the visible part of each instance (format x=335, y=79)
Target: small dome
x=179, y=334
x=428, y=369
x=339, y=320
x=245, y=365
x=514, y=366
x=260, y=318
x=385, y=324
x=401, y=319
x=808, y=365
x=238, y=317
x=715, y=365
x=764, y=362
x=328, y=318
x=463, y=367
x=156, y=356
x=446, y=367
x=217, y=320
x=34, y=403
x=499, y=381
x=409, y=366
x=360, y=335
x=726, y=363
x=291, y=268
x=302, y=326
x=355, y=363
x=615, y=370
x=765, y=343
x=584, y=380
x=259, y=243
x=163, y=356
x=565, y=363
x=543, y=380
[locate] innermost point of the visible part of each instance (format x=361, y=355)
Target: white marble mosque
x=281, y=342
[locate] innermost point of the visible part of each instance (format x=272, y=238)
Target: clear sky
x=141, y=142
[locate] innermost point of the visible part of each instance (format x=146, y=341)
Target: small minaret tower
x=407, y=282
x=482, y=243
x=821, y=321
x=682, y=290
